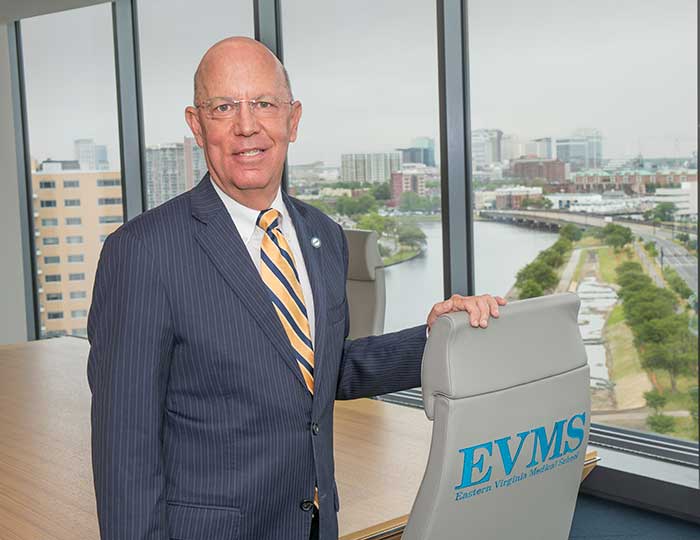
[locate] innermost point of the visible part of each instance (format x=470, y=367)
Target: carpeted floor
x=605, y=520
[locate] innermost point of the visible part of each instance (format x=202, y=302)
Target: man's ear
x=294, y=121
x=192, y=119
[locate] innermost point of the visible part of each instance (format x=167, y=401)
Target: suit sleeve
x=131, y=339
x=376, y=365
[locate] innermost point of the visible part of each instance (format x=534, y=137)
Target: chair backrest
x=511, y=411
x=365, y=285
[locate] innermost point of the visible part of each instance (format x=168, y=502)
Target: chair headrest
x=526, y=343
x=364, y=255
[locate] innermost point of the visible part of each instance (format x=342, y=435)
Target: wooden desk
x=46, y=489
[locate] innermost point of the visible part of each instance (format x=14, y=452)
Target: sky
x=366, y=72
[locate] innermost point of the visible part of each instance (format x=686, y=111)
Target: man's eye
x=264, y=105
x=223, y=108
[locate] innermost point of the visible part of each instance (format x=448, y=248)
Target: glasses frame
x=237, y=105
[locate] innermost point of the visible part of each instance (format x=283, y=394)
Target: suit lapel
x=225, y=248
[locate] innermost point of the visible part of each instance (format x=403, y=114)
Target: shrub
x=660, y=423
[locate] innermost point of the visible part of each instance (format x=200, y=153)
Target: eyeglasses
x=226, y=107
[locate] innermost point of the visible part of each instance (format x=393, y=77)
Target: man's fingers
x=501, y=301
x=484, y=310
x=493, y=305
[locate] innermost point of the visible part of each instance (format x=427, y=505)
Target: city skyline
x=592, y=65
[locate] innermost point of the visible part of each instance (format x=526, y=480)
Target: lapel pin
x=316, y=242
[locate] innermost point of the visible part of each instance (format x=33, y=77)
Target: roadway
x=675, y=255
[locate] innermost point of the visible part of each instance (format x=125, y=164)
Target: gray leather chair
x=365, y=285
x=511, y=411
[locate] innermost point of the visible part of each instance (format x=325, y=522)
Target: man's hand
x=480, y=308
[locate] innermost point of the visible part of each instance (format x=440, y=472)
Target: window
x=72, y=133
x=51, y=297
x=49, y=222
x=111, y=219
x=50, y=241
x=380, y=171
x=174, y=162
x=78, y=276
x=47, y=184
x=79, y=332
x=53, y=259
x=76, y=295
x=102, y=201
x=55, y=315
x=78, y=313
x=53, y=278
x=581, y=142
x=108, y=182
x=54, y=333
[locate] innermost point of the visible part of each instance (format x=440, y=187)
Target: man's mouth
x=251, y=152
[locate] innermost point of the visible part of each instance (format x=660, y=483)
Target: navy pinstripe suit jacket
x=202, y=428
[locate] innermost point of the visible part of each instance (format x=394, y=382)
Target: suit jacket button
x=306, y=505
x=315, y=428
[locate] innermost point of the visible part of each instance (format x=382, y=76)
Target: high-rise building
x=410, y=178
x=91, y=156
x=422, y=150
x=543, y=147
x=195, y=164
x=73, y=212
x=584, y=150
x=486, y=147
x=369, y=167
x=165, y=172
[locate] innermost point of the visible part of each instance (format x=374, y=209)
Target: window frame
x=644, y=487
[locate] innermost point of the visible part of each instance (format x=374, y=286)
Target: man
x=217, y=335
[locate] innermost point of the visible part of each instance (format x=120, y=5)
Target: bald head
x=239, y=50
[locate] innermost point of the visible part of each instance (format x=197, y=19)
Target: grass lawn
x=400, y=256
x=684, y=428
x=608, y=260
x=583, y=256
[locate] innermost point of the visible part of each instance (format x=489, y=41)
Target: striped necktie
x=279, y=273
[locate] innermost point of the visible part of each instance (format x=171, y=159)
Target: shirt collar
x=245, y=218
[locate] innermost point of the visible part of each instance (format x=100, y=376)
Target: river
x=412, y=287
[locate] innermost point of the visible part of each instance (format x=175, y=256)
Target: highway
x=676, y=256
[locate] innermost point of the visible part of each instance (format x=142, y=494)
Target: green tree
x=382, y=192
x=662, y=330
x=616, y=235
x=693, y=394
x=675, y=358
x=530, y=289
x=571, y=232
x=551, y=258
x=373, y=222
x=660, y=423
x=650, y=248
x=538, y=272
x=664, y=211
x=655, y=400
x=676, y=282
x=323, y=206
x=411, y=235
x=350, y=206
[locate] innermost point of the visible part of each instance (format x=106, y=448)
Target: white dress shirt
x=244, y=220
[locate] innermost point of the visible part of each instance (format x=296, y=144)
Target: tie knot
x=268, y=219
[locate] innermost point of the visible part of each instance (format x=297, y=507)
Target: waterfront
x=501, y=250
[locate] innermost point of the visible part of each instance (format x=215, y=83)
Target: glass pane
x=74, y=145
x=588, y=121
x=171, y=49
x=367, y=147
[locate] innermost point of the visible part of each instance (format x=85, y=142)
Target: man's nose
x=245, y=123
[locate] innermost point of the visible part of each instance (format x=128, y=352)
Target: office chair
x=511, y=411
x=365, y=285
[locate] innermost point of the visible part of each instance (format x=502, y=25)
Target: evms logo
x=551, y=448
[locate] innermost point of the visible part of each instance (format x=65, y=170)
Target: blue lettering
x=575, y=432
x=469, y=465
x=545, y=445
x=504, y=449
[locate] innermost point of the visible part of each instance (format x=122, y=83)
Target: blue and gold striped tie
x=279, y=273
